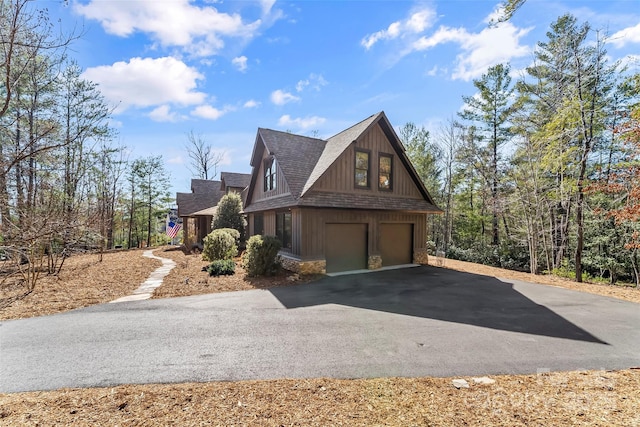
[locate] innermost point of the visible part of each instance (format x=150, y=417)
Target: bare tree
x=203, y=158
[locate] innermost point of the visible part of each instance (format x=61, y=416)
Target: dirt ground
x=615, y=291
x=187, y=278
x=83, y=281
x=593, y=398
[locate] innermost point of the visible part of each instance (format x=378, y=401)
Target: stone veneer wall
x=303, y=267
x=421, y=256
x=374, y=262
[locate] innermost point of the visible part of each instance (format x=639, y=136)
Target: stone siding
x=374, y=262
x=421, y=256
x=303, y=267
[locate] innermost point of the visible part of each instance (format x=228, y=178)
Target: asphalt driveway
x=421, y=321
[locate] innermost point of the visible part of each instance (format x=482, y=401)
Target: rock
x=460, y=383
x=483, y=380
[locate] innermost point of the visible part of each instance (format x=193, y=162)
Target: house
x=198, y=208
x=232, y=182
x=353, y=201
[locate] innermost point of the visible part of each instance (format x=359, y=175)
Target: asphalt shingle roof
x=204, y=194
x=296, y=155
x=236, y=180
x=303, y=161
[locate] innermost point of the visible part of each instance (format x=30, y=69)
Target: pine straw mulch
x=615, y=291
x=187, y=277
x=593, y=398
x=590, y=398
x=83, y=281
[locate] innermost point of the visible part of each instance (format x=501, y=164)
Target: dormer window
x=362, y=169
x=385, y=172
x=269, y=174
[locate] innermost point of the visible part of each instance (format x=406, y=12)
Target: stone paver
x=155, y=279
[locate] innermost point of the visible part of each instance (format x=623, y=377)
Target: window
x=269, y=174
x=258, y=224
x=362, y=169
x=385, y=172
x=283, y=229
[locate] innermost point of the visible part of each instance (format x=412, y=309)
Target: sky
x=221, y=69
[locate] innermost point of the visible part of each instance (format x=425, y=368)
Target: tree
x=491, y=109
x=571, y=92
x=204, y=159
x=423, y=154
x=153, y=183
x=623, y=183
x=229, y=215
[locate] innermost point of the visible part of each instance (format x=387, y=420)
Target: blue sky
x=224, y=68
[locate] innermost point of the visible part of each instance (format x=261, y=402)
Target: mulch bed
x=187, y=278
x=593, y=398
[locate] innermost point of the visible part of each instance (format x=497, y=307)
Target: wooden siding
x=314, y=221
x=340, y=177
x=269, y=223
x=281, y=185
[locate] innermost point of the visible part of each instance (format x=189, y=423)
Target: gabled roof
x=303, y=161
x=335, y=147
x=205, y=193
x=295, y=155
x=235, y=180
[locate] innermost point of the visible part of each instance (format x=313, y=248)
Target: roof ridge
x=292, y=134
x=335, y=147
x=354, y=125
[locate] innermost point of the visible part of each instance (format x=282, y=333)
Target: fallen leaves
x=559, y=399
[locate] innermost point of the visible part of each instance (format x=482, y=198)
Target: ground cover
x=594, y=398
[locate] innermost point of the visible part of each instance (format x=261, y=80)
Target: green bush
x=229, y=215
x=219, y=245
x=260, y=258
x=222, y=267
x=233, y=233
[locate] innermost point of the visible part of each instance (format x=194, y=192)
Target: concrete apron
x=155, y=279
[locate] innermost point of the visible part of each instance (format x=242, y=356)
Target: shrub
x=222, y=267
x=260, y=258
x=233, y=233
x=219, y=245
x=229, y=215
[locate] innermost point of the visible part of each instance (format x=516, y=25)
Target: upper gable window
x=362, y=169
x=269, y=174
x=385, y=172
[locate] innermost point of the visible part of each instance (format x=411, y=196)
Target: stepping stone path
x=155, y=279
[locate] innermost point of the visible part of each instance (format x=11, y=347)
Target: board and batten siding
x=340, y=177
x=258, y=190
x=314, y=220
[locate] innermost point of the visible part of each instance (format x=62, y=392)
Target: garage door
x=346, y=247
x=396, y=244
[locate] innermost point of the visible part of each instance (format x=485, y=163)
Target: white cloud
x=314, y=81
x=267, y=5
x=146, y=82
x=479, y=51
x=491, y=46
x=240, y=63
x=178, y=160
x=626, y=36
x=209, y=112
x=416, y=23
x=178, y=23
x=252, y=103
x=301, y=122
x=163, y=113
x=280, y=97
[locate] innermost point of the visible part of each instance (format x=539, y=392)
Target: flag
x=172, y=229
